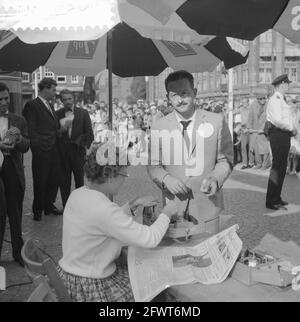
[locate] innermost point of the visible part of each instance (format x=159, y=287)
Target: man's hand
x=13, y=131
x=175, y=185
x=209, y=186
x=145, y=201
x=5, y=146
x=294, y=132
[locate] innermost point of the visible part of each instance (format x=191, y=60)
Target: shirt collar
x=4, y=115
x=44, y=101
x=179, y=118
x=278, y=93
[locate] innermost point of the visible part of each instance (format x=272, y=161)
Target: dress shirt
x=189, y=128
x=279, y=113
x=3, y=126
x=67, y=113
x=46, y=103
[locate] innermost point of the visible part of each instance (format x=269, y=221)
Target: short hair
x=3, y=87
x=101, y=173
x=65, y=91
x=46, y=82
x=180, y=74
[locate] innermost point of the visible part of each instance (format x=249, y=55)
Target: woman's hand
x=145, y=201
x=170, y=209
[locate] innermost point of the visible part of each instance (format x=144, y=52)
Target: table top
x=232, y=290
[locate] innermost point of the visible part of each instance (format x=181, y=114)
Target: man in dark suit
x=43, y=127
x=14, y=142
x=76, y=136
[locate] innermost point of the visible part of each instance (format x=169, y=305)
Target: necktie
x=50, y=109
x=185, y=135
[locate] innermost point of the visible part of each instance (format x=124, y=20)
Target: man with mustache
x=206, y=145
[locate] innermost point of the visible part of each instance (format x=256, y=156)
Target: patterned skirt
x=115, y=288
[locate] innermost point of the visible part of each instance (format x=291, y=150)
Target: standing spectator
x=43, y=129
x=258, y=141
x=247, y=155
x=76, y=137
x=2, y=208
x=13, y=143
x=279, y=127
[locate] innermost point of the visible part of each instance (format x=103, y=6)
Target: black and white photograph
x=133, y=128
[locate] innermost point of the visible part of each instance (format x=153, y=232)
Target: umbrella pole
x=230, y=101
x=109, y=67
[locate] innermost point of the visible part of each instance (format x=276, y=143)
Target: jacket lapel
x=200, y=118
x=75, y=122
x=44, y=107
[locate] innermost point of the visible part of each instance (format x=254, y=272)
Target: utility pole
x=230, y=100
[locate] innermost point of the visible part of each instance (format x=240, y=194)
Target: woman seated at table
x=95, y=230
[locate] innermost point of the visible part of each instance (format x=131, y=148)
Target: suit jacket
x=42, y=125
x=212, y=152
x=21, y=147
x=82, y=133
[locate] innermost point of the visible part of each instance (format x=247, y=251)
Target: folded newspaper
x=153, y=270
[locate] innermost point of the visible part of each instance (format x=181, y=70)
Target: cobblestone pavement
x=244, y=204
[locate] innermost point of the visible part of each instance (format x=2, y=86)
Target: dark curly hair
x=95, y=172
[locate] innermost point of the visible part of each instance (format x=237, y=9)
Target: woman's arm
x=119, y=225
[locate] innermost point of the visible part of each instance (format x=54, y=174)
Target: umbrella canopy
x=36, y=21
x=244, y=19
x=132, y=55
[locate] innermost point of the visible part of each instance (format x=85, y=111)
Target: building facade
x=270, y=55
x=73, y=83
x=120, y=87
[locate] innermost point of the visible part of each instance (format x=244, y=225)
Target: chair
x=42, y=271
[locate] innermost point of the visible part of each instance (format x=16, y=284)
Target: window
x=205, y=82
x=263, y=37
x=25, y=78
x=245, y=78
x=74, y=79
x=262, y=75
x=269, y=36
x=218, y=81
x=212, y=82
x=61, y=79
x=48, y=73
x=268, y=75
x=293, y=74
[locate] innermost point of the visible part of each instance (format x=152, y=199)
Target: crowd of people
x=64, y=141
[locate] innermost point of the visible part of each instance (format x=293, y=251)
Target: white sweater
x=95, y=230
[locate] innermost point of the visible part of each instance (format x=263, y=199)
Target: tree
x=138, y=88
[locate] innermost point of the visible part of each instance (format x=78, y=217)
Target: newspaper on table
x=209, y=262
